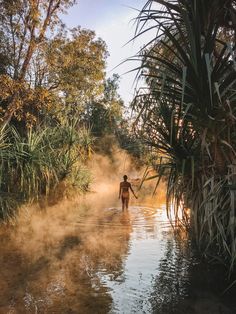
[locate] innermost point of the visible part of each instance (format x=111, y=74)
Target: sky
x=113, y=21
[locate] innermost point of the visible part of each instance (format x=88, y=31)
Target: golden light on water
x=84, y=254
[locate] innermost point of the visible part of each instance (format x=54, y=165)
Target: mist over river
x=86, y=255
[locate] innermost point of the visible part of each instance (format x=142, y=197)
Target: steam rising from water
x=87, y=256
x=50, y=257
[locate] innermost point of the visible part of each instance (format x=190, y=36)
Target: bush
x=32, y=166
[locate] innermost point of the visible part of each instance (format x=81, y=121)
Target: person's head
x=125, y=177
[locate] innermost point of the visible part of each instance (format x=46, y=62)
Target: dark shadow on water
x=68, y=244
x=187, y=285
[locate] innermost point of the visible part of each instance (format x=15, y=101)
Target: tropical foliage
x=32, y=166
x=187, y=112
x=49, y=76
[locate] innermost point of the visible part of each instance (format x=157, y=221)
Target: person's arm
x=120, y=191
x=132, y=191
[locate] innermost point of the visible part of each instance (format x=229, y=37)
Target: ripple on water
x=109, y=262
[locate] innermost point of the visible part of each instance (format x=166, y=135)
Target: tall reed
x=33, y=165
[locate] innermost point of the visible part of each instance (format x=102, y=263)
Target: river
x=86, y=256
x=105, y=261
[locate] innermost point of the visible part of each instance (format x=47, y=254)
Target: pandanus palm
x=188, y=110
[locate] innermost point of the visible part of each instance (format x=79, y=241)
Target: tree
x=76, y=67
x=23, y=28
x=105, y=115
x=47, y=75
x=187, y=112
x=60, y=72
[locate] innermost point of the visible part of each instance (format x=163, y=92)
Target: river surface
x=106, y=261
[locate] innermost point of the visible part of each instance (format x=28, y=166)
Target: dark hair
x=125, y=177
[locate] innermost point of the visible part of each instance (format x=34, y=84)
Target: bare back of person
x=125, y=186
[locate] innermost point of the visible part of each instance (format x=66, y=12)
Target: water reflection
x=171, y=284
x=105, y=261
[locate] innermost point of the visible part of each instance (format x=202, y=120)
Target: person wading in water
x=124, y=192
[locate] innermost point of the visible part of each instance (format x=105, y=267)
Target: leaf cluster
x=187, y=110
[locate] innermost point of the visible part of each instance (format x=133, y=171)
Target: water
x=106, y=261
